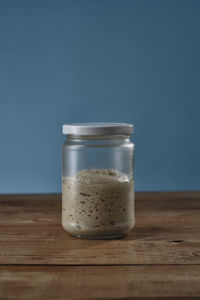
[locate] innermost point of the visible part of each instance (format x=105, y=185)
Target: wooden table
x=159, y=259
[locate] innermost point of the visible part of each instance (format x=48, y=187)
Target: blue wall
x=99, y=60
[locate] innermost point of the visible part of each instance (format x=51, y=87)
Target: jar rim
x=96, y=129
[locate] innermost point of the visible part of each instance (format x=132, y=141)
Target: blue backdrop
x=131, y=61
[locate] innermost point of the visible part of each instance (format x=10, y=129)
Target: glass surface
x=98, y=186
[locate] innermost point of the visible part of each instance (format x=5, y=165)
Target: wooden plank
x=152, y=209
x=51, y=245
x=102, y=282
x=167, y=232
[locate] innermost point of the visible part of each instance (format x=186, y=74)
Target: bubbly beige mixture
x=98, y=203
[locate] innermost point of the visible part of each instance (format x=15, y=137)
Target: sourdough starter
x=98, y=203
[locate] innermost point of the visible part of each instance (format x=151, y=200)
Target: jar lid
x=98, y=129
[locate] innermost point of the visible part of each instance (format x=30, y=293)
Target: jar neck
x=98, y=139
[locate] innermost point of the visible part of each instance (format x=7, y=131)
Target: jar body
x=98, y=186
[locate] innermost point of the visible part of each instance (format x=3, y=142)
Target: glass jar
x=98, y=180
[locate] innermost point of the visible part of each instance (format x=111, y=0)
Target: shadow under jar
x=98, y=180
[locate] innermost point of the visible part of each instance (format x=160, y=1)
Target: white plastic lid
x=98, y=129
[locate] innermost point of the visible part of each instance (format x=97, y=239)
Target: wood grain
x=99, y=282
x=167, y=232
x=158, y=259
